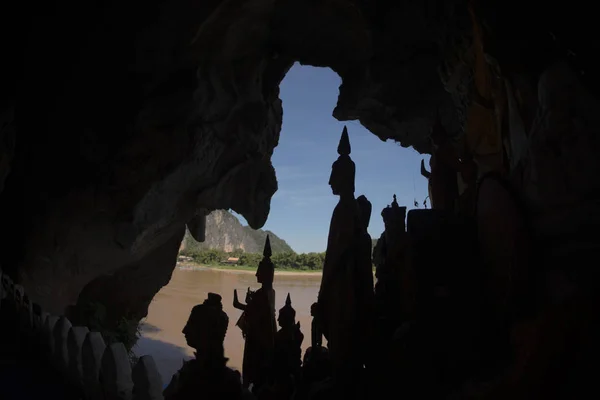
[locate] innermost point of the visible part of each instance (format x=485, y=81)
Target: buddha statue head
x=206, y=327
x=266, y=269
x=287, y=314
x=343, y=169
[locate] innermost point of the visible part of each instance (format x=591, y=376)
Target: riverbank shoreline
x=187, y=265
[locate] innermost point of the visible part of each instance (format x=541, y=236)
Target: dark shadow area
x=25, y=373
x=168, y=357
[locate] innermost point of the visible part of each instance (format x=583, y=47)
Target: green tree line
x=284, y=260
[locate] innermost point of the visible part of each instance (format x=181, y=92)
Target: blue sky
x=301, y=208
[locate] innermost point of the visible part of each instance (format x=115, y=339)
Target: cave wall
x=132, y=289
x=112, y=133
x=117, y=125
x=131, y=117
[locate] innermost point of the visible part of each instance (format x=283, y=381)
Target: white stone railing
x=98, y=371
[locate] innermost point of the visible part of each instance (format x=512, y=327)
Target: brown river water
x=161, y=330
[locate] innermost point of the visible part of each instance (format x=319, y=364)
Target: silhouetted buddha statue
x=316, y=359
x=336, y=306
x=365, y=295
x=258, y=324
x=393, y=273
x=401, y=291
x=206, y=376
x=288, y=350
x=288, y=341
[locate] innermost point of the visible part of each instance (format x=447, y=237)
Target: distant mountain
x=225, y=232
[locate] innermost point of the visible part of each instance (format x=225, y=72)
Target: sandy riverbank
x=238, y=270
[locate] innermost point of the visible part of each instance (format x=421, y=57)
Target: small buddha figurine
x=288, y=342
x=258, y=325
x=207, y=375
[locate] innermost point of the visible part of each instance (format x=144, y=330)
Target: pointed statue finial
x=395, y=202
x=287, y=313
x=267, y=249
x=344, y=145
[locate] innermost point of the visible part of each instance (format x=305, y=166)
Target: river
x=168, y=313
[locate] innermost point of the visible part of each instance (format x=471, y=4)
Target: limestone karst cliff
x=225, y=232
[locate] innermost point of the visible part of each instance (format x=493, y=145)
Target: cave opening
x=301, y=207
x=300, y=214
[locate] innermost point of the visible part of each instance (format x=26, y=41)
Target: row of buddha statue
x=366, y=325
x=343, y=314
x=272, y=358
x=462, y=307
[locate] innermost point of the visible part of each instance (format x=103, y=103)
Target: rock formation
x=225, y=232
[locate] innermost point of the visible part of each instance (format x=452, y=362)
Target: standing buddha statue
x=288, y=342
x=395, y=286
x=363, y=280
x=258, y=324
x=336, y=304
